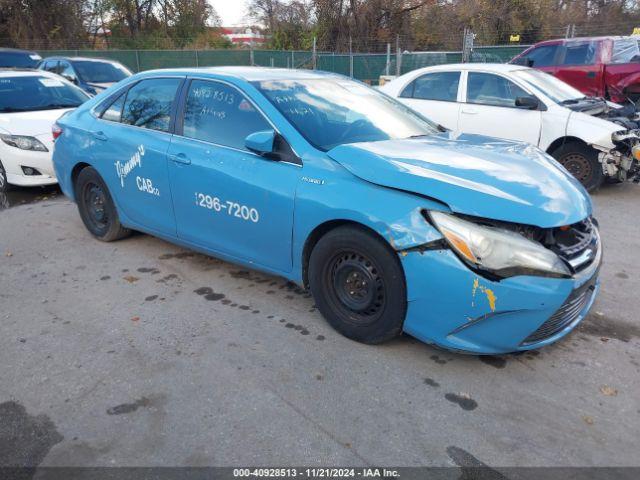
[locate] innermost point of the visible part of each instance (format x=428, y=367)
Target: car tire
x=96, y=207
x=358, y=284
x=582, y=162
x=4, y=184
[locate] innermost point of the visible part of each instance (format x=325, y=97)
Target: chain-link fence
x=367, y=67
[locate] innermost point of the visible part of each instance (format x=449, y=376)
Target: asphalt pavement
x=140, y=353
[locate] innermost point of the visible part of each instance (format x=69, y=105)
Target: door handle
x=180, y=158
x=469, y=112
x=99, y=136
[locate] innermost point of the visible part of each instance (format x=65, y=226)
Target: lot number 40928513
x=233, y=209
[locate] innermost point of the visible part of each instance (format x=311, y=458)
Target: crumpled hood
x=475, y=175
x=30, y=123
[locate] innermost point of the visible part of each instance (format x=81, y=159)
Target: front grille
x=565, y=315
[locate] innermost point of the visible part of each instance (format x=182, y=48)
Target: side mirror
x=260, y=142
x=528, y=103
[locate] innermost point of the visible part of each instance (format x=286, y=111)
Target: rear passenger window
x=148, y=103
x=580, y=54
x=441, y=86
x=220, y=114
x=114, y=112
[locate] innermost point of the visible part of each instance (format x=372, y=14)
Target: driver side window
x=494, y=90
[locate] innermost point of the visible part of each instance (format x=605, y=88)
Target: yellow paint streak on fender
x=491, y=297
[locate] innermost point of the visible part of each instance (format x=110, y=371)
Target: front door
x=227, y=198
x=490, y=109
x=132, y=138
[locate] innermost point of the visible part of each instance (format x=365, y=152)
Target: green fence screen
x=363, y=66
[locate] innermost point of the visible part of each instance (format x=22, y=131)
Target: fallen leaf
x=131, y=278
x=135, y=319
x=608, y=391
x=587, y=419
x=9, y=254
x=604, y=339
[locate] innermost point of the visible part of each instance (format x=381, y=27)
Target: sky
x=231, y=12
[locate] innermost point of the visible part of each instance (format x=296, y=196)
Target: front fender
x=592, y=130
x=394, y=215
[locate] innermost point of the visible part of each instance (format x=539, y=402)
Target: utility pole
x=398, y=56
x=350, y=58
x=386, y=69
x=313, y=55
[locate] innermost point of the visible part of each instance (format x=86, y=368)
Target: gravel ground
x=141, y=353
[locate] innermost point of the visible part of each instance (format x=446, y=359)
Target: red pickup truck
x=606, y=67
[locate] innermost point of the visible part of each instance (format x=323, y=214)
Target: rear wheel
x=358, y=285
x=4, y=185
x=582, y=162
x=96, y=207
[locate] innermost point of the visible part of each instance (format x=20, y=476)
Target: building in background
x=244, y=36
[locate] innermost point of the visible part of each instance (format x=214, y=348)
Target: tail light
x=56, y=130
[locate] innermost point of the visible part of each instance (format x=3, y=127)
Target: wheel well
x=74, y=175
x=563, y=140
x=320, y=231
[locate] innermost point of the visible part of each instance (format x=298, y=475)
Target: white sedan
x=592, y=138
x=30, y=102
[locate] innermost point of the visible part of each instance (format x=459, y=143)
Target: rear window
x=19, y=59
x=626, y=50
x=100, y=72
x=25, y=94
x=580, y=53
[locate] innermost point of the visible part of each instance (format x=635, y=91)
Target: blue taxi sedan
x=394, y=223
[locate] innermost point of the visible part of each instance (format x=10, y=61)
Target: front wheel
x=96, y=207
x=358, y=284
x=582, y=162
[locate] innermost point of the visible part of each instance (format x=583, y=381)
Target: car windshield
x=31, y=93
x=555, y=89
x=19, y=59
x=331, y=112
x=100, y=72
x=626, y=50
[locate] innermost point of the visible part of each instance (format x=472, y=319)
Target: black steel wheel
x=4, y=185
x=582, y=162
x=358, y=284
x=96, y=207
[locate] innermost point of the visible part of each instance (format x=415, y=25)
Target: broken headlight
x=500, y=252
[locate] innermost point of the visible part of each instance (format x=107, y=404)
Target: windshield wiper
x=572, y=101
x=52, y=106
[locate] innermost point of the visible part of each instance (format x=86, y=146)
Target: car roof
x=584, y=39
x=480, y=67
x=16, y=50
x=249, y=74
x=83, y=59
x=25, y=72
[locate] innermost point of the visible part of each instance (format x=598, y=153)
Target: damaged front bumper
x=622, y=162
x=455, y=308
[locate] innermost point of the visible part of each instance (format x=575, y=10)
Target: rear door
x=131, y=139
x=227, y=198
x=580, y=66
x=490, y=109
x=435, y=95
